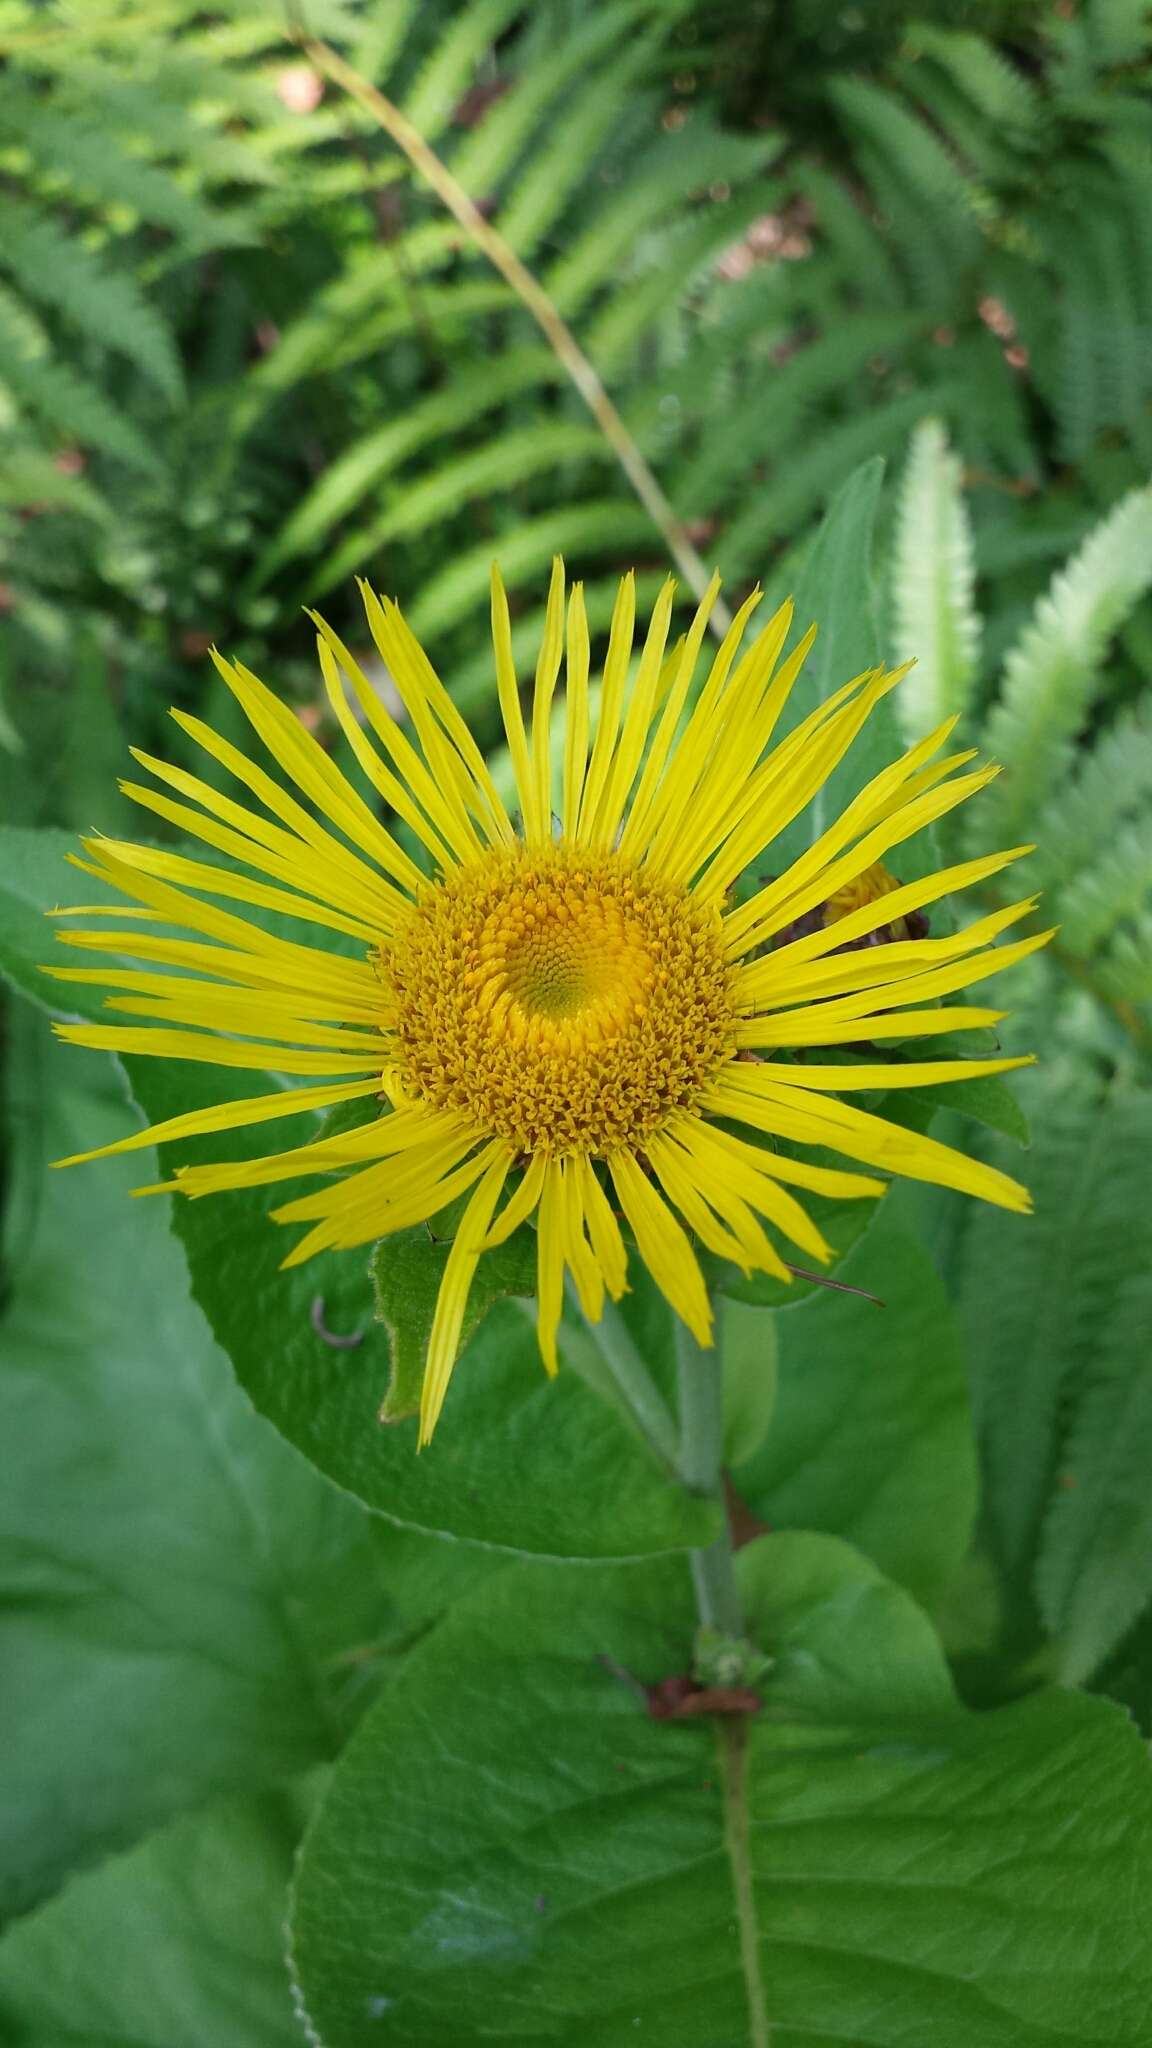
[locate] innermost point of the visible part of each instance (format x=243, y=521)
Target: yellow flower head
x=560, y=1017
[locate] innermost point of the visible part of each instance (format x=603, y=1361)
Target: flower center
x=560, y=999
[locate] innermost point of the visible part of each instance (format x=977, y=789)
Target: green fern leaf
x=1124, y=975
x=68, y=405
x=1037, y=1294
x=933, y=579
x=1002, y=96
x=92, y=165
x=105, y=304
x=1117, y=885
x=510, y=459
x=587, y=532
x=1094, y=1572
x=575, y=138
x=367, y=462
x=1110, y=781
x=1053, y=672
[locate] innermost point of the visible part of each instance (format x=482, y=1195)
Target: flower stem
x=700, y=1385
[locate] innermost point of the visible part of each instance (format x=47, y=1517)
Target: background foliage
x=244, y=355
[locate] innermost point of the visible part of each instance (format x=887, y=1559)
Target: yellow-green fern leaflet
x=566, y=1017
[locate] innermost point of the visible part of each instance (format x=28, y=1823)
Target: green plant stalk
x=531, y=293
x=700, y=1387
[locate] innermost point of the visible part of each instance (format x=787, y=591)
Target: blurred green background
x=244, y=356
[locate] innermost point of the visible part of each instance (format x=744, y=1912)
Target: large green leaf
x=516, y=1461
x=513, y=1849
x=836, y=589
x=871, y=1437
x=188, y=1607
x=175, y=1945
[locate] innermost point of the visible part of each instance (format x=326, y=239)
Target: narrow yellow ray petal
x=611, y=700
x=508, y=691
x=586, y=1273
x=917, y=988
x=821, y=1120
x=181, y=909
x=214, y=881
x=709, y=776
x=388, y=1138
x=343, y=878
x=229, y=1116
x=724, y=1161
x=446, y=818
x=808, y=771
x=456, y=785
x=785, y=900
x=906, y=1074
x=411, y=1166
x=742, y=1240
x=870, y=916
x=348, y=1226
x=637, y=722
x=351, y=989
x=657, y=785
x=304, y=759
x=271, y=1003
x=603, y=1230
x=663, y=1246
x=550, y=1265
x=575, y=710
x=520, y=1204
x=228, y=1010
x=452, y=1301
x=865, y=968
x=755, y=807
x=547, y=670
x=796, y=1028
x=211, y=1051
x=835, y=1182
x=386, y=785
x=400, y=648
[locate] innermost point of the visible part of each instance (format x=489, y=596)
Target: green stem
x=605, y=1356
x=700, y=1386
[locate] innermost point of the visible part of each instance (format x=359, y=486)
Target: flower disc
x=561, y=1000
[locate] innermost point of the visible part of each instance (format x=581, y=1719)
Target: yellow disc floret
x=561, y=999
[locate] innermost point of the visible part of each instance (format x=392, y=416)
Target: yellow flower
x=565, y=1017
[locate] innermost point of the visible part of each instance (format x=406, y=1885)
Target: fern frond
x=586, y=532
x=791, y=498
x=510, y=459
x=91, y=165
x=434, y=94
x=1114, y=887
x=1052, y=674
x=1124, y=975
x=672, y=170
x=348, y=481
x=1110, y=781
x=933, y=579
x=573, y=142
x=69, y=406
x=60, y=271
x=1003, y=96
x=29, y=477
